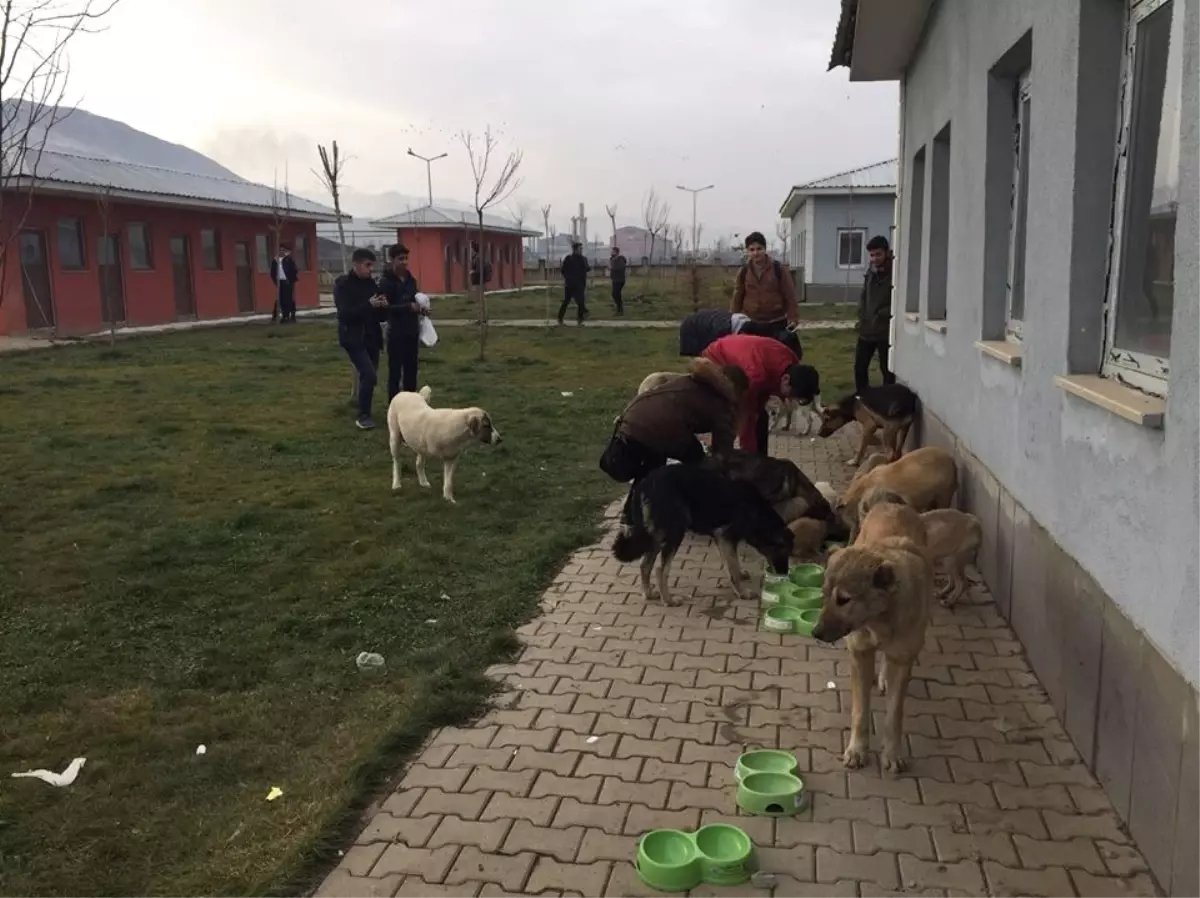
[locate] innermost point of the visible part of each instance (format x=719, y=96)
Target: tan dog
x=953, y=539
x=925, y=478
x=809, y=536
x=877, y=594
x=657, y=379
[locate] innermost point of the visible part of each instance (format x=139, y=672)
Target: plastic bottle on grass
x=369, y=662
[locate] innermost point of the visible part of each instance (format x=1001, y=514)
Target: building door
x=35, y=281
x=112, y=285
x=447, y=268
x=181, y=273
x=245, y=276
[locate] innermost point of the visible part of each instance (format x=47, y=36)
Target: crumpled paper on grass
x=55, y=779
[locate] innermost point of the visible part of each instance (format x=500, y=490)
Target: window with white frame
x=1015, y=304
x=1141, y=280
x=851, y=247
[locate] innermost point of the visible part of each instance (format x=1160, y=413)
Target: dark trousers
x=573, y=292
x=863, y=351
x=365, y=359
x=628, y=461
x=402, y=351
x=762, y=430
x=618, y=302
x=287, y=300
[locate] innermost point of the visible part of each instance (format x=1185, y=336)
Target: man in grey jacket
x=874, y=316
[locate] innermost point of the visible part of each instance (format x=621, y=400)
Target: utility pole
x=694, y=191
x=428, y=160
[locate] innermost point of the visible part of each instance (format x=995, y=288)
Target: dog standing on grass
x=436, y=432
x=877, y=595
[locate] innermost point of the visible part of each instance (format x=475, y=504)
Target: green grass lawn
x=197, y=543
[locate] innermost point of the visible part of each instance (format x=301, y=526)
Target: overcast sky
x=606, y=99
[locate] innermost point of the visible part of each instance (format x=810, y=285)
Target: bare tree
x=782, y=230
x=500, y=188
x=281, y=213
x=655, y=214
x=612, y=217
x=34, y=73
x=519, y=215
x=330, y=175
x=546, y=242
x=104, y=263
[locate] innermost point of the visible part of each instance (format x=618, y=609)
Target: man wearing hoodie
x=403, y=320
x=763, y=290
x=359, y=304
x=574, y=270
x=874, y=315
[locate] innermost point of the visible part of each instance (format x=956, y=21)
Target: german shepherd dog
x=891, y=407
x=674, y=500
x=784, y=485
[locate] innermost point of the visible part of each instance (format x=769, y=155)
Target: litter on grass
x=201, y=749
x=368, y=661
x=55, y=779
x=274, y=793
x=567, y=393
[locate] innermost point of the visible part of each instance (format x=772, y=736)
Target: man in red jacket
x=772, y=370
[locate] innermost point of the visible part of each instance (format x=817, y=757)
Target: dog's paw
x=882, y=685
x=850, y=462
x=745, y=593
x=451, y=500
x=745, y=576
x=854, y=757
x=891, y=761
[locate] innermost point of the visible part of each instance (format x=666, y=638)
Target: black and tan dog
x=877, y=595
x=675, y=500
x=890, y=407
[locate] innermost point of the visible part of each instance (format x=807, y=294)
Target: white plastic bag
x=428, y=335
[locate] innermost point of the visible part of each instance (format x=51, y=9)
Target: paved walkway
x=623, y=716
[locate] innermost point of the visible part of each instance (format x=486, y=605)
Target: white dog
x=437, y=432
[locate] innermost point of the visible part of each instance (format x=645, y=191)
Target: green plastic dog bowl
x=781, y=619
x=802, y=597
x=726, y=854
x=668, y=860
x=807, y=575
x=807, y=620
x=773, y=587
x=765, y=761
x=771, y=794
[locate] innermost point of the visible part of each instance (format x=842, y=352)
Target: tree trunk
x=481, y=299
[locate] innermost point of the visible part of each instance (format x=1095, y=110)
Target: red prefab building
x=439, y=245
x=99, y=241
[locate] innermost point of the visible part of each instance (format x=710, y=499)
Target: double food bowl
x=793, y=602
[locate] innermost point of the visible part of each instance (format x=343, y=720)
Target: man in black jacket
x=359, y=304
x=404, y=322
x=617, y=264
x=574, y=270
x=874, y=316
x=284, y=275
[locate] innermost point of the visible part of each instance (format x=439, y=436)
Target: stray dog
x=877, y=595
x=953, y=538
x=657, y=379
x=437, y=432
x=674, y=500
x=890, y=407
x=808, y=537
x=781, y=483
x=925, y=478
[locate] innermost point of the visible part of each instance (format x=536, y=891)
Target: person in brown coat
x=764, y=291
x=662, y=423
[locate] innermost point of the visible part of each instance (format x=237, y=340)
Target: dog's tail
x=878, y=495
x=426, y=392
x=634, y=540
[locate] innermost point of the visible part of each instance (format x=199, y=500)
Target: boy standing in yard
x=404, y=322
x=574, y=270
x=359, y=302
x=616, y=272
x=771, y=370
x=874, y=316
x=284, y=275
x=764, y=291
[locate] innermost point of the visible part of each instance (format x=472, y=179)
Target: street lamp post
x=694, y=191
x=428, y=160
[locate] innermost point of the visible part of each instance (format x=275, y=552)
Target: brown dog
x=925, y=478
x=877, y=595
x=809, y=536
x=953, y=538
x=890, y=407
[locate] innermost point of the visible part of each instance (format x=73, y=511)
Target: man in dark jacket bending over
x=874, y=316
x=574, y=270
x=359, y=304
x=404, y=322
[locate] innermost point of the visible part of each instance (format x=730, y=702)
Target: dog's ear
x=474, y=422
x=884, y=577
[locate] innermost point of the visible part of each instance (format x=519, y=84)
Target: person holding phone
x=360, y=304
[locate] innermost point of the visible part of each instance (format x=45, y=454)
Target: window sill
x=1138, y=408
x=913, y=317
x=1001, y=350
x=938, y=325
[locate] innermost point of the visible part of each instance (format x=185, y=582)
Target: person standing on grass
x=284, y=275
x=874, y=315
x=574, y=270
x=763, y=290
x=403, y=322
x=771, y=370
x=616, y=272
x=359, y=303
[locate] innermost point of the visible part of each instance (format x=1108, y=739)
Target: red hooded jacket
x=765, y=361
